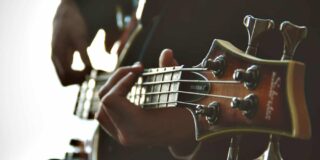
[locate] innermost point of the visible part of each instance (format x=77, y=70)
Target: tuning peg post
x=256, y=27
x=292, y=36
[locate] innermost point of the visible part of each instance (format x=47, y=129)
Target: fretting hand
x=131, y=125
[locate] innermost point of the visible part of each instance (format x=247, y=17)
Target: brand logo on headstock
x=199, y=88
x=274, y=86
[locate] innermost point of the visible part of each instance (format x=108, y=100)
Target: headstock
x=249, y=94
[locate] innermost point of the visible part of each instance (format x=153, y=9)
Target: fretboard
x=157, y=88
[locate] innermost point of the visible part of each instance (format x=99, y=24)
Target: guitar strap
x=155, y=23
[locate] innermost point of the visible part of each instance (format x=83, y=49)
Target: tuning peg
x=233, y=151
x=249, y=105
x=211, y=112
x=256, y=27
x=273, y=150
x=250, y=77
x=292, y=36
x=217, y=65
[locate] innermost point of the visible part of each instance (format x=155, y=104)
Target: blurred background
x=36, y=112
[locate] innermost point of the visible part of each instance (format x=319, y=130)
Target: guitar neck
x=160, y=87
x=157, y=88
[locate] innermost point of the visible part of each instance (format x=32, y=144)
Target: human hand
x=131, y=125
x=69, y=35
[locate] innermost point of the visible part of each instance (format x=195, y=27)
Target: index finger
x=117, y=75
x=166, y=58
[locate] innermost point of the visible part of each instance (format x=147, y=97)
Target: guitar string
x=160, y=103
x=97, y=100
x=148, y=72
x=182, y=92
x=166, y=92
x=143, y=95
x=188, y=81
x=168, y=102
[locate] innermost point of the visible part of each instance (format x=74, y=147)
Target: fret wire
x=139, y=90
x=174, y=86
x=170, y=85
x=164, y=86
x=160, y=85
x=142, y=95
x=192, y=93
x=133, y=94
x=153, y=77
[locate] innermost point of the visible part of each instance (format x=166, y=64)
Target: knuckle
x=101, y=93
x=107, y=100
x=122, y=70
x=127, y=139
x=119, y=71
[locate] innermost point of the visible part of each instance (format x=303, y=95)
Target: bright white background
x=36, y=120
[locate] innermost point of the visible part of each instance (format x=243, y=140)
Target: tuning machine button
x=249, y=105
x=292, y=36
x=217, y=65
x=256, y=27
x=250, y=77
x=211, y=112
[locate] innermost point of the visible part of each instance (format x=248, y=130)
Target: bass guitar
x=230, y=92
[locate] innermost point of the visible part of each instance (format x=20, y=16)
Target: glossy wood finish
x=279, y=112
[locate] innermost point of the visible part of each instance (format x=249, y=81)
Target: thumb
x=167, y=59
